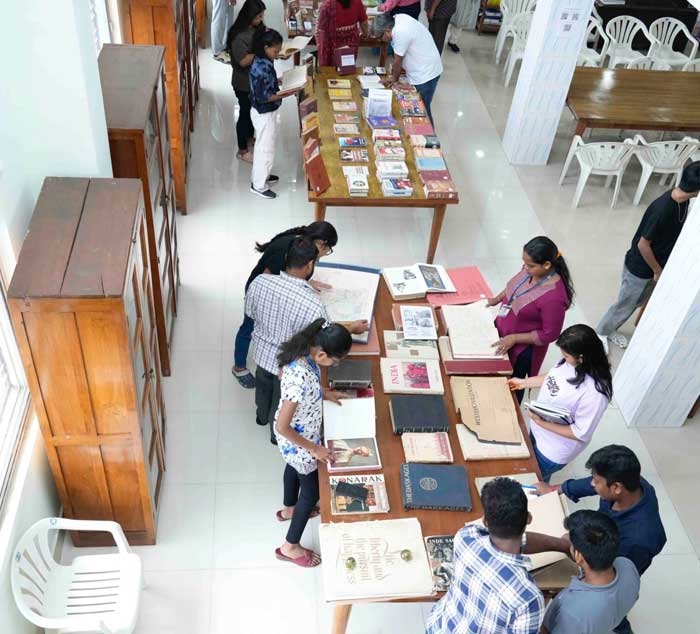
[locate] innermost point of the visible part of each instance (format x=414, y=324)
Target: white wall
x=52, y=123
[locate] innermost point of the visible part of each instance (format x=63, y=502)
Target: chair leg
x=582, y=179
x=618, y=182
x=663, y=179
x=500, y=45
x=678, y=177
x=608, y=180
x=567, y=163
x=643, y=180
x=512, y=60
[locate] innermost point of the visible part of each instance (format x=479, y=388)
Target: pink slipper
x=281, y=518
x=305, y=561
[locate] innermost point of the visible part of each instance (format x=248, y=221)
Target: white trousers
x=265, y=125
x=221, y=21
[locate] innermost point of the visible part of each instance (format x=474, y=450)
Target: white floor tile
x=190, y=443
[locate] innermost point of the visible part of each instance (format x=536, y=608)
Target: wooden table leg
x=438, y=217
x=319, y=211
x=580, y=127
x=341, y=616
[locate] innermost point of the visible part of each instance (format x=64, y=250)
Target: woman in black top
x=273, y=260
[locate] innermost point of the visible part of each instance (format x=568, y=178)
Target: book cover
x=381, y=143
x=427, y=176
x=423, y=128
x=381, y=122
x=421, y=140
x=420, y=413
x=343, y=117
x=339, y=83
x=354, y=155
x=396, y=315
x=474, y=449
x=351, y=141
x=427, y=447
x=404, y=282
x=353, y=454
x=550, y=413
x=344, y=106
x=315, y=167
x=389, y=134
x=400, y=376
x=424, y=163
x=471, y=329
x=418, y=322
x=425, y=152
x=370, y=348
x=471, y=366
x=440, y=189
x=440, y=554
x=389, y=153
x=339, y=93
x=368, y=70
x=350, y=374
x=344, y=60
x=435, y=487
x=358, y=494
x=311, y=120
x=310, y=133
x=397, y=187
x=307, y=106
x=470, y=287
x=396, y=346
x=346, y=128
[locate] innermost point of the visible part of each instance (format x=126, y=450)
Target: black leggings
x=301, y=492
x=244, y=126
x=521, y=369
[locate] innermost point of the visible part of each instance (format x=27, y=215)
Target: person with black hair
x=280, y=307
x=492, y=591
x=265, y=99
x=608, y=586
x=337, y=25
x=581, y=382
x=239, y=44
x=627, y=498
x=532, y=307
x=273, y=261
x=297, y=427
x=651, y=247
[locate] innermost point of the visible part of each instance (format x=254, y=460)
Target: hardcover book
x=397, y=187
x=418, y=322
x=386, y=134
x=424, y=140
x=440, y=554
x=428, y=176
x=381, y=122
x=370, y=348
x=346, y=128
x=396, y=315
x=351, y=141
x=294, y=45
x=435, y=487
x=440, y=190
x=354, y=155
x=470, y=284
x=340, y=93
x=424, y=163
x=400, y=376
x=474, y=449
x=427, y=447
x=471, y=366
x=358, y=494
x=471, y=330
x=315, y=167
x=307, y=106
x=396, y=346
x=349, y=433
x=418, y=128
x=413, y=282
x=418, y=413
x=350, y=374
x=344, y=106
x=343, y=117
x=550, y=413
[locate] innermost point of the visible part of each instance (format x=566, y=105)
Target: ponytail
x=334, y=339
x=319, y=230
x=581, y=340
x=541, y=249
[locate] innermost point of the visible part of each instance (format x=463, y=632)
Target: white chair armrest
x=638, y=138
x=578, y=140
x=694, y=47
x=94, y=525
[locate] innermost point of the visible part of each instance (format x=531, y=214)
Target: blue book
x=435, y=487
x=428, y=163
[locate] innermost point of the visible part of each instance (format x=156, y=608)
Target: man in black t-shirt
x=651, y=247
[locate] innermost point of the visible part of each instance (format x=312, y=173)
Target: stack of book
x=492, y=17
x=310, y=127
x=376, y=123
x=386, y=134
x=392, y=169
x=351, y=149
x=420, y=132
x=357, y=177
x=397, y=187
x=433, y=172
x=412, y=106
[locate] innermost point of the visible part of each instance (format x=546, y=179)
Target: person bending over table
x=273, y=260
x=532, y=307
x=414, y=52
x=337, y=25
x=395, y=7
x=582, y=384
x=298, y=427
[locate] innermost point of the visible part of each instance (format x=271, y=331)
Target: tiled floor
x=213, y=570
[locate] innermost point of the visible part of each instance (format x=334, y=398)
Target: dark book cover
x=435, y=487
x=421, y=413
x=350, y=373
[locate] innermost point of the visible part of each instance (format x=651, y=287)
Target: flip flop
x=305, y=561
x=281, y=518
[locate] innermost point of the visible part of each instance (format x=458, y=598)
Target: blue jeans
x=426, y=92
x=547, y=467
x=242, y=342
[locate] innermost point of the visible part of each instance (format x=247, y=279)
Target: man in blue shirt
x=627, y=498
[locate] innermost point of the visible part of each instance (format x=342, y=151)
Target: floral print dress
x=301, y=383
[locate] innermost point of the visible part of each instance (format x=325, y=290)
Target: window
x=14, y=398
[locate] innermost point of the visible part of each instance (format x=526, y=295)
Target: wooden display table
x=634, y=99
x=392, y=454
x=337, y=195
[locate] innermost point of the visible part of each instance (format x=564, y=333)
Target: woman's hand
x=504, y=344
x=535, y=418
x=492, y=301
x=319, y=286
x=516, y=384
x=321, y=453
x=333, y=396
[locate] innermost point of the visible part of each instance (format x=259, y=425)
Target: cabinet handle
x=151, y=373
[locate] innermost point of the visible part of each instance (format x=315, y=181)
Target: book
x=440, y=189
x=310, y=120
x=340, y=93
x=401, y=376
x=396, y=315
x=353, y=155
x=419, y=413
x=378, y=102
x=551, y=413
x=427, y=447
x=344, y=60
x=381, y=122
x=386, y=134
x=298, y=43
x=397, y=187
x=396, y=346
x=440, y=550
x=418, y=322
x=389, y=154
x=370, y=348
x=471, y=330
x=369, y=81
x=350, y=374
x=425, y=152
x=392, y=169
x=469, y=284
x=358, y=494
x=474, y=449
x=338, y=83
x=368, y=70
x=343, y=117
x=357, y=178
x=344, y=106
x=351, y=141
x=485, y=405
x=383, y=143
x=307, y=106
x=380, y=559
x=429, y=163
x=435, y=487
x=346, y=128
x=414, y=281
x=294, y=79
x=428, y=176
x=349, y=434
x=471, y=366
x=315, y=167
x=424, y=140
x=419, y=126
x=528, y=478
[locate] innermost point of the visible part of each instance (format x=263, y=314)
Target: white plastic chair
x=622, y=30
x=662, y=157
x=509, y=10
x=521, y=28
x=664, y=32
x=695, y=156
x=648, y=63
x=95, y=593
x=606, y=159
x=692, y=66
x=589, y=56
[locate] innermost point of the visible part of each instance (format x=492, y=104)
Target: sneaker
x=263, y=193
x=273, y=179
x=244, y=378
x=223, y=57
x=619, y=340
x=246, y=157
x=453, y=47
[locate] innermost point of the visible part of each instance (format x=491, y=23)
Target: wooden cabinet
x=82, y=310
x=133, y=91
x=172, y=24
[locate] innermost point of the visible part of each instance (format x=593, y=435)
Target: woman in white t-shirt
x=580, y=383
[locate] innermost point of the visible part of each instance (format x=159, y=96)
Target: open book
x=471, y=330
x=350, y=431
x=298, y=43
x=294, y=79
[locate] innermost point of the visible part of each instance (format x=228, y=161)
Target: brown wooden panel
x=126, y=480
x=56, y=355
x=103, y=337
x=124, y=157
x=83, y=473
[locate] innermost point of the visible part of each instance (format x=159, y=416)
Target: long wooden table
x=337, y=195
x=634, y=99
x=392, y=455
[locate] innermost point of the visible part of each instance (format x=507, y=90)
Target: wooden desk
x=392, y=455
x=337, y=195
x=634, y=99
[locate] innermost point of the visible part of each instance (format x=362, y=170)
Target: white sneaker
x=619, y=340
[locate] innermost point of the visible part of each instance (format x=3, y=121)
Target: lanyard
x=515, y=294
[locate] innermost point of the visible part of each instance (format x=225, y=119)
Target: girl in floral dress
x=298, y=427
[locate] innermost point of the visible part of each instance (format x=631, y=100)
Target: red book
x=434, y=175
x=470, y=285
x=344, y=58
x=419, y=128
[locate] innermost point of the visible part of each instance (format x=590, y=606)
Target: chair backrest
x=513, y=7
x=693, y=66
x=667, y=154
x=623, y=29
x=595, y=15
x=595, y=29
x=665, y=30
x=606, y=156
x=520, y=27
x=648, y=63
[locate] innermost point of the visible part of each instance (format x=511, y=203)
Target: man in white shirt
x=414, y=52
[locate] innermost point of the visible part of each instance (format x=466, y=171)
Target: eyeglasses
x=329, y=249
